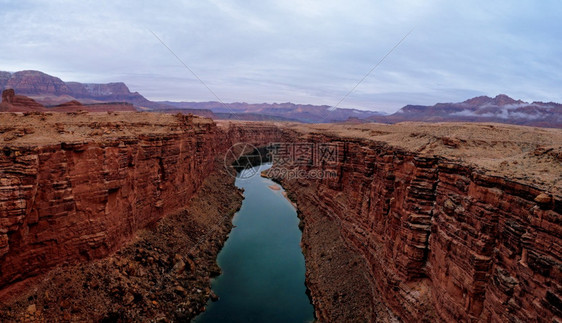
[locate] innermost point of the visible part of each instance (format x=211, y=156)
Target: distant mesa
x=56, y=95
x=500, y=109
x=50, y=90
x=18, y=103
x=21, y=103
x=34, y=82
x=287, y=111
x=500, y=100
x=72, y=103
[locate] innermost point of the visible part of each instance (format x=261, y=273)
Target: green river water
x=262, y=264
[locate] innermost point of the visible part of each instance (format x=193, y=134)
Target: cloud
x=301, y=51
x=503, y=113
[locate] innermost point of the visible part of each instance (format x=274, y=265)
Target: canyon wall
x=83, y=191
x=440, y=240
x=425, y=236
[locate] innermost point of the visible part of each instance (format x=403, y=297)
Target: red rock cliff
x=18, y=103
x=430, y=238
x=440, y=240
x=35, y=82
x=78, y=186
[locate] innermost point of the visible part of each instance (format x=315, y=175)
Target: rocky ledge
x=163, y=274
x=77, y=187
x=424, y=236
x=119, y=216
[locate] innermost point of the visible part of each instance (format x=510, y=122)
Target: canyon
x=77, y=187
x=86, y=185
x=421, y=222
x=439, y=236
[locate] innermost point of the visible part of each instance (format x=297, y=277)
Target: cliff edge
x=447, y=222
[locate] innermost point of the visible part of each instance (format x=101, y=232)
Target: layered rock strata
x=164, y=274
x=395, y=234
x=12, y=103
x=76, y=187
x=439, y=239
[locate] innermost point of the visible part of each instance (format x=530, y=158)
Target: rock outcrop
x=18, y=103
x=440, y=239
x=389, y=233
x=21, y=103
x=165, y=272
x=76, y=187
x=501, y=108
x=72, y=106
x=51, y=90
x=35, y=82
x=90, y=90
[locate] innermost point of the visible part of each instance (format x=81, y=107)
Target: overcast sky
x=294, y=50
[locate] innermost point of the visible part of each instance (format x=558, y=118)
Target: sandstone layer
x=50, y=90
x=76, y=187
x=420, y=222
x=74, y=106
x=18, y=103
x=163, y=275
x=447, y=224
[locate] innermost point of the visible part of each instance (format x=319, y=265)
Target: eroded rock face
x=51, y=90
x=4, y=77
x=98, y=90
x=74, y=105
x=440, y=240
x=424, y=236
x=74, y=201
x=35, y=82
x=18, y=103
x=8, y=96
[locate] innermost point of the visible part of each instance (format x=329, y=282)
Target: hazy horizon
x=304, y=52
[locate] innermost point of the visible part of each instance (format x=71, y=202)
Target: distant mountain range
x=51, y=91
x=502, y=109
x=282, y=111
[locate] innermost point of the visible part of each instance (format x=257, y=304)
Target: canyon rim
x=120, y=215
x=414, y=149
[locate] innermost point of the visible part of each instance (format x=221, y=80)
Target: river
x=263, y=269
